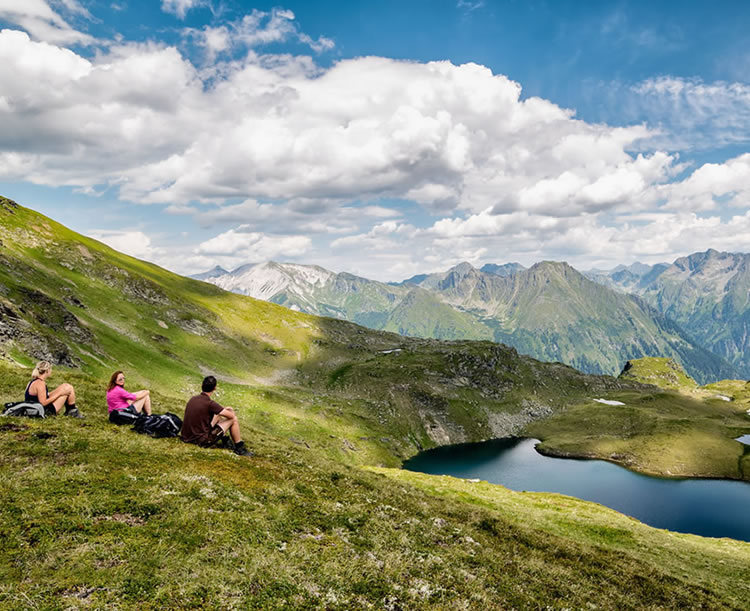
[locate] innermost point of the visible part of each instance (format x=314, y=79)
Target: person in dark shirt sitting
x=206, y=422
x=65, y=394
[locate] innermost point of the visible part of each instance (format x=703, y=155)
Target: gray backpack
x=24, y=408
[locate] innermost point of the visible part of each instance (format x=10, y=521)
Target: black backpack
x=24, y=408
x=165, y=425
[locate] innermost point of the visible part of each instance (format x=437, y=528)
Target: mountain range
x=549, y=311
x=706, y=293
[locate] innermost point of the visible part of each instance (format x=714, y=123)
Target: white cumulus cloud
x=143, y=118
x=711, y=186
x=180, y=8
x=279, y=148
x=238, y=246
x=40, y=20
x=131, y=242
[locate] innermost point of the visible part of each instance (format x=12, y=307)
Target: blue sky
x=381, y=138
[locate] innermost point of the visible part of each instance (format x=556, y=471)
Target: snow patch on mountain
x=264, y=280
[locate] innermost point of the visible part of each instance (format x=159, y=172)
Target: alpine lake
x=706, y=507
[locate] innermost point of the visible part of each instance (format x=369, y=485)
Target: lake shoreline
x=705, y=506
x=621, y=460
x=626, y=463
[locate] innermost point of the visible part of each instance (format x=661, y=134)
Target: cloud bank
x=143, y=118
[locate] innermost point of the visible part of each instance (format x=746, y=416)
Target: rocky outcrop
x=15, y=330
x=52, y=314
x=32, y=320
x=510, y=425
x=8, y=205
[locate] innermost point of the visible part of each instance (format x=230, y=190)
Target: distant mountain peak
x=462, y=268
x=268, y=278
x=698, y=260
x=557, y=266
x=505, y=269
x=214, y=272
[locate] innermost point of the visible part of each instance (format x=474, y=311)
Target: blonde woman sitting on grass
x=125, y=407
x=65, y=394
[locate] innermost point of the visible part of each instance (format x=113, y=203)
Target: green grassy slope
x=661, y=372
x=421, y=314
x=354, y=394
x=96, y=516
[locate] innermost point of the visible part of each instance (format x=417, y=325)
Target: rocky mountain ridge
x=706, y=293
x=549, y=311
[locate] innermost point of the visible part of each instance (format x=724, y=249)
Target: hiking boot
x=241, y=449
x=74, y=413
x=226, y=442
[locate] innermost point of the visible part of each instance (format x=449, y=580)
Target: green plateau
x=96, y=516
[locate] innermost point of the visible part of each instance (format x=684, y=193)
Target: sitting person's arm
x=129, y=397
x=41, y=392
x=119, y=398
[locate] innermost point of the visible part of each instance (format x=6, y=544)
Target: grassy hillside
x=97, y=516
x=92, y=515
x=421, y=314
x=354, y=394
x=661, y=372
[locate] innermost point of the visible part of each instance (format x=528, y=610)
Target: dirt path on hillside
x=276, y=378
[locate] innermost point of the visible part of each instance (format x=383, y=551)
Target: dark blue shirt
x=33, y=398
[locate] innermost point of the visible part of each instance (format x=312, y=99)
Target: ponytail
x=41, y=368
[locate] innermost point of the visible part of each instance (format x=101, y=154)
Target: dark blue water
x=712, y=508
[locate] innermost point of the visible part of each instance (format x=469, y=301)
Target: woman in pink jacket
x=124, y=407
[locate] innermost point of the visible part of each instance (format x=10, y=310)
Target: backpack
x=24, y=408
x=166, y=425
x=123, y=416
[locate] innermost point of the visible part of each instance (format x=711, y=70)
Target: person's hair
x=113, y=380
x=209, y=384
x=41, y=367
